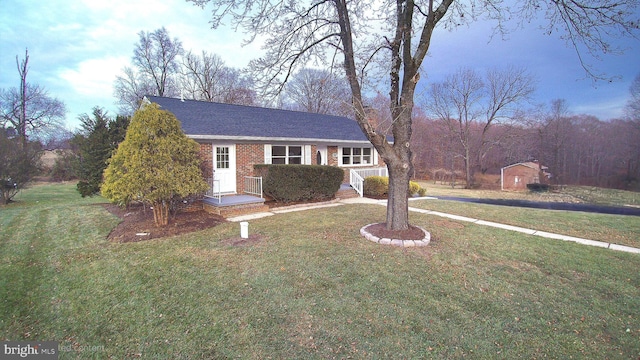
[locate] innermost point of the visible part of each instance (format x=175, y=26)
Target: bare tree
x=633, y=105
x=29, y=109
x=469, y=106
x=156, y=56
x=554, y=134
x=318, y=91
x=207, y=78
x=200, y=74
x=627, y=151
x=129, y=89
x=397, y=36
x=155, y=61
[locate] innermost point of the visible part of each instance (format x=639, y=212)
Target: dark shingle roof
x=209, y=120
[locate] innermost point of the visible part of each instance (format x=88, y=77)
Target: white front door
x=321, y=155
x=224, y=169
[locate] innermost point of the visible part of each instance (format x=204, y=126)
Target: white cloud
x=78, y=47
x=94, y=77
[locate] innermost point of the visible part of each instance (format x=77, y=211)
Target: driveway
x=601, y=209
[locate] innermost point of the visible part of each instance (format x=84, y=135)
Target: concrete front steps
x=234, y=205
x=346, y=192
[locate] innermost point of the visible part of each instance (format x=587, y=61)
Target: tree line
x=577, y=149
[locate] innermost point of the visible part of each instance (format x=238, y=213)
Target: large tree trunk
x=398, y=160
x=398, y=201
x=467, y=168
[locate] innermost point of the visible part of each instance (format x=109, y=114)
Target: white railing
x=253, y=185
x=214, y=189
x=357, y=176
x=357, y=182
x=365, y=173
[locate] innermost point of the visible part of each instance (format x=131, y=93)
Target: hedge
x=535, y=187
x=289, y=183
x=377, y=186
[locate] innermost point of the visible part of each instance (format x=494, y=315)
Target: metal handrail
x=253, y=185
x=212, y=189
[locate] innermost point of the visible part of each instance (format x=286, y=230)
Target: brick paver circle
x=396, y=242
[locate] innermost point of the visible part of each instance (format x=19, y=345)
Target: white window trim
x=374, y=156
x=305, y=156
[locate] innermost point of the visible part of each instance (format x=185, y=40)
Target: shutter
x=307, y=155
x=374, y=153
x=267, y=153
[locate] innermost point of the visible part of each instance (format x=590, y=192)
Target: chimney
x=372, y=117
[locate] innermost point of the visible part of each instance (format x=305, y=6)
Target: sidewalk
x=534, y=232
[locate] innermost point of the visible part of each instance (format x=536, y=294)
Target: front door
x=224, y=169
x=321, y=155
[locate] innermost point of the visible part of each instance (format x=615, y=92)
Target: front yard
x=309, y=287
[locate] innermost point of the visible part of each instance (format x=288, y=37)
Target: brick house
x=517, y=176
x=234, y=138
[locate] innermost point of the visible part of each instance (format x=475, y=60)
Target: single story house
x=517, y=176
x=234, y=138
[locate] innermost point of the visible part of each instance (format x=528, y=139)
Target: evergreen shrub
x=289, y=183
x=376, y=186
x=538, y=187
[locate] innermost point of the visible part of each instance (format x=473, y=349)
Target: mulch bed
x=135, y=221
x=380, y=230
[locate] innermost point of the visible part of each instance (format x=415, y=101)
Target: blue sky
x=77, y=47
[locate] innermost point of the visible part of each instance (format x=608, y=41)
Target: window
x=356, y=156
x=222, y=157
x=285, y=154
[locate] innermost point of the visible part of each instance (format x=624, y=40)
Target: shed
x=517, y=176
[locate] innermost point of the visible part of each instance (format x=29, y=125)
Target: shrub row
x=538, y=187
x=288, y=183
x=377, y=186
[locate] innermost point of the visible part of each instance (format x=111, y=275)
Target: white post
x=244, y=229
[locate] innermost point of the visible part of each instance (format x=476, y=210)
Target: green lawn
x=578, y=194
x=312, y=288
x=594, y=195
x=616, y=229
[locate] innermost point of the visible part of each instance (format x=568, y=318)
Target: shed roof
x=529, y=164
x=210, y=120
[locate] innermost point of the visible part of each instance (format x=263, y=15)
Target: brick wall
x=332, y=152
x=525, y=175
x=206, y=154
x=247, y=155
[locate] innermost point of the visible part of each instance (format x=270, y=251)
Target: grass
x=582, y=194
x=312, y=288
x=616, y=229
x=602, y=196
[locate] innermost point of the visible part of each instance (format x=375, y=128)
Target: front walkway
x=360, y=200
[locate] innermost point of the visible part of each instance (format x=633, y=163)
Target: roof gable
x=209, y=120
x=529, y=164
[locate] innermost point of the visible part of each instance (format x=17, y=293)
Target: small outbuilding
x=517, y=176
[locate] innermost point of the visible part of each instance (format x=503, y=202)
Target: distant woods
x=577, y=149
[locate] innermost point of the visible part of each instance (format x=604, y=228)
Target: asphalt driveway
x=601, y=209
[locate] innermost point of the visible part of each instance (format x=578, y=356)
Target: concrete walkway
x=534, y=232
